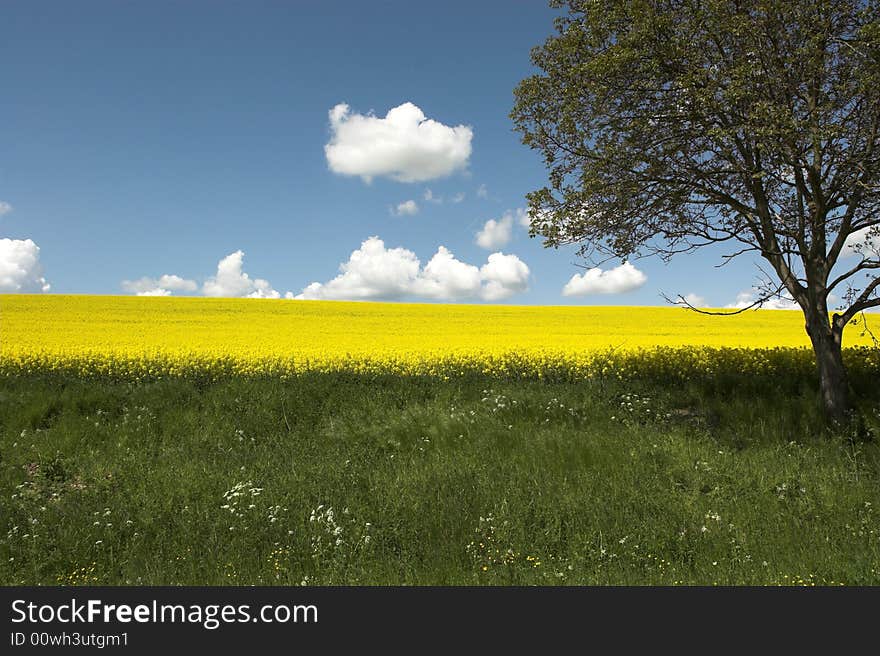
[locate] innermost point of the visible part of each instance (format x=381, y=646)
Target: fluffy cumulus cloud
x=406, y=208
x=20, y=268
x=5, y=208
x=620, y=279
x=162, y=286
x=231, y=281
x=504, y=276
x=445, y=277
x=405, y=145
x=374, y=271
x=864, y=242
x=497, y=232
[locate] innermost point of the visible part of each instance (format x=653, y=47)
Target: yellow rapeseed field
x=155, y=336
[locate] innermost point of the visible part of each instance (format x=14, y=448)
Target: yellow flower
x=141, y=338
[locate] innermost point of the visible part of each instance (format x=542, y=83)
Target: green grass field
x=340, y=479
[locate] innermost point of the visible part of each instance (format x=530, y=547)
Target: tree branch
x=756, y=305
x=864, y=265
x=863, y=302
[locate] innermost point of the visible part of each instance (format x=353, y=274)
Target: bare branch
x=863, y=301
x=866, y=330
x=682, y=301
x=864, y=265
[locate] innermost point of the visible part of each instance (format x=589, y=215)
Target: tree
x=670, y=125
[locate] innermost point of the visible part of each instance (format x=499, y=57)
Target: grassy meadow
x=688, y=464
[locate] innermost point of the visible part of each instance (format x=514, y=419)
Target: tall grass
x=341, y=479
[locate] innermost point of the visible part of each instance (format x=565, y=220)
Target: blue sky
x=159, y=138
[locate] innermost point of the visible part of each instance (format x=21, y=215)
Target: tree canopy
x=668, y=125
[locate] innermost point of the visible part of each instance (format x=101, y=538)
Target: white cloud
x=445, y=277
x=865, y=242
x=376, y=272
x=482, y=191
x=231, y=281
x=623, y=278
x=781, y=304
x=406, y=208
x=372, y=271
x=457, y=198
x=747, y=298
x=5, y=208
x=696, y=300
x=497, y=232
x=176, y=283
x=504, y=276
x=431, y=198
x=163, y=286
x=20, y=268
x=404, y=146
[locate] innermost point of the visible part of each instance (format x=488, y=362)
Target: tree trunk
x=833, y=386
